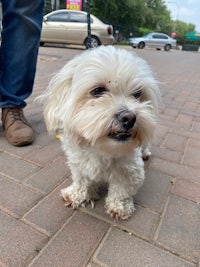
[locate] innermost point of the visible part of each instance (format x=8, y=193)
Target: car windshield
x=98, y=21
x=147, y=35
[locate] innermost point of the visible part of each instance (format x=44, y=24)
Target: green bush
x=143, y=31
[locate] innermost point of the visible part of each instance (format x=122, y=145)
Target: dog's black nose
x=127, y=119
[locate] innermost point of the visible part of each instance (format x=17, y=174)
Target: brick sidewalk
x=37, y=230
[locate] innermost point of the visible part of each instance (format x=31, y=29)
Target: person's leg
x=22, y=22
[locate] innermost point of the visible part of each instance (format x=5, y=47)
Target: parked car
x=154, y=40
x=70, y=27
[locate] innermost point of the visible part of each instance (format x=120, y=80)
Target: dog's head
x=104, y=97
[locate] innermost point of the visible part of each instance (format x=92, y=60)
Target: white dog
x=104, y=103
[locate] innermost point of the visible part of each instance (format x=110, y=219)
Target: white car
x=154, y=40
x=70, y=27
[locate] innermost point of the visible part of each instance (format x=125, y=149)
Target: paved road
x=36, y=230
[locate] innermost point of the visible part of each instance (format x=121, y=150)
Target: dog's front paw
x=66, y=197
x=120, y=209
x=146, y=154
x=75, y=198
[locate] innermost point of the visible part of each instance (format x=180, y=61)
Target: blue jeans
x=22, y=23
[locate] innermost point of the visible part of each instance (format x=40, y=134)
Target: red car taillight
x=109, y=30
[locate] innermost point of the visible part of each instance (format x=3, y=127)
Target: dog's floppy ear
x=56, y=97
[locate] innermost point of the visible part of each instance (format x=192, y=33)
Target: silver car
x=154, y=40
x=70, y=27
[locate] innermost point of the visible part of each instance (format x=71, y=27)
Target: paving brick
x=74, y=244
x=192, y=157
x=48, y=177
x=16, y=167
x=187, y=189
x=45, y=154
x=13, y=150
x=50, y=214
x=190, y=105
x=180, y=228
x=187, y=133
x=179, y=124
x=185, y=93
x=163, y=153
x=175, y=142
x=43, y=138
x=160, y=133
x=176, y=170
x=74, y=236
x=167, y=120
x=181, y=101
x=173, y=124
x=152, y=195
x=196, y=126
x=132, y=251
x=172, y=112
x=184, y=121
x=39, y=126
x=145, y=229
x=19, y=243
x=16, y=198
x=92, y=264
x=154, y=191
x=194, y=143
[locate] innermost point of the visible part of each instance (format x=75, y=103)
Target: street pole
x=177, y=15
x=88, y=23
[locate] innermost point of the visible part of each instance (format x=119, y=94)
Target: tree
x=182, y=28
x=133, y=14
x=158, y=16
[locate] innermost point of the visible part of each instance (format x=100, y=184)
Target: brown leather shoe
x=18, y=131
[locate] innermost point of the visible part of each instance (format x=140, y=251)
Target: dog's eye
x=137, y=93
x=98, y=91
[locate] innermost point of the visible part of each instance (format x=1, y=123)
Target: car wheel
x=167, y=47
x=41, y=43
x=94, y=42
x=141, y=45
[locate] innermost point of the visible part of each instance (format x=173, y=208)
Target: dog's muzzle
x=122, y=125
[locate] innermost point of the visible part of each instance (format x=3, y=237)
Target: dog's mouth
x=123, y=127
x=120, y=136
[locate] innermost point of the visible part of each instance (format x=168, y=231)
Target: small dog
x=104, y=105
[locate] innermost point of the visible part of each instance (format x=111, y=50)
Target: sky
x=185, y=10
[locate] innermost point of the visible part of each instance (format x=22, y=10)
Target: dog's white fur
x=83, y=103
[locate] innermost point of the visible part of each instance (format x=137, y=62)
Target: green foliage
x=144, y=31
x=49, y=6
x=135, y=17
x=134, y=14
x=182, y=28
